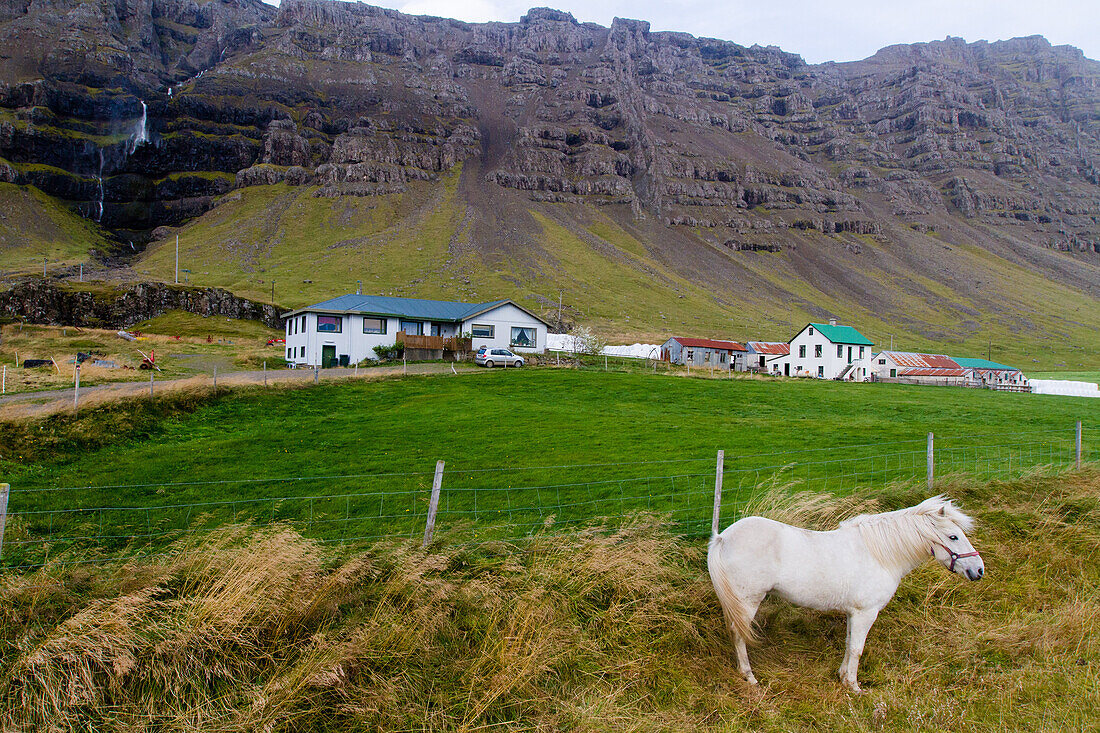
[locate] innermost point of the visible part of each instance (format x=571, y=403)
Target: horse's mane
x=903, y=536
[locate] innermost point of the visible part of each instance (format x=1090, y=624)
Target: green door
x=328, y=356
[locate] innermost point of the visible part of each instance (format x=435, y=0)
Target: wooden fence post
x=151, y=376
x=931, y=462
x=433, y=505
x=316, y=375
x=719, y=469
x=1078, y=445
x=4, y=489
x=265, y=372
x=76, y=387
x=215, y=379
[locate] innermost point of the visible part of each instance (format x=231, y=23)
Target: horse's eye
x=953, y=537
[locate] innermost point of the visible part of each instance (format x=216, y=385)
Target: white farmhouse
x=828, y=351
x=346, y=329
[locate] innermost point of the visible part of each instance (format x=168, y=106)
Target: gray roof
x=412, y=308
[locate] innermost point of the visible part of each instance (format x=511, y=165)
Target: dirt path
x=27, y=404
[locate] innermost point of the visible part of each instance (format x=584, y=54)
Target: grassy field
x=519, y=447
x=249, y=629
x=185, y=345
x=36, y=226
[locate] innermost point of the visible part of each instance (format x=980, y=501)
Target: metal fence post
x=718, y=470
x=215, y=379
x=931, y=462
x=265, y=372
x=151, y=376
x=1078, y=445
x=433, y=505
x=4, y=489
x=316, y=375
x=76, y=388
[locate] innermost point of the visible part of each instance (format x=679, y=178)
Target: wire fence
x=60, y=524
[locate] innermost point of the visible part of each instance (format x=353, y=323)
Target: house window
x=811, y=331
x=374, y=325
x=821, y=371
x=302, y=329
x=817, y=351
x=482, y=331
x=437, y=329
x=839, y=351
x=523, y=337
x=721, y=357
x=329, y=324
x=288, y=327
x=881, y=361
x=288, y=356
x=412, y=328
x=860, y=352
x=893, y=372
x=802, y=351
x=691, y=355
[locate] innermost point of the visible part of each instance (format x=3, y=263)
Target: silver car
x=487, y=357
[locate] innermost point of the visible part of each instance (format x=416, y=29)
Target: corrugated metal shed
x=984, y=364
x=922, y=361
x=927, y=372
x=709, y=344
x=770, y=348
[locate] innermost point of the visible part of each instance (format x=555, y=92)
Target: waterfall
x=99, y=189
x=140, y=133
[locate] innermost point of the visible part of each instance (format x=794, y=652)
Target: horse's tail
x=737, y=616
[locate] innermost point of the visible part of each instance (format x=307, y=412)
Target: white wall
x=503, y=318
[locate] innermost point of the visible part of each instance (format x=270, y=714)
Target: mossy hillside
x=36, y=226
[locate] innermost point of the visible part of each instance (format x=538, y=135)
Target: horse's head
x=951, y=547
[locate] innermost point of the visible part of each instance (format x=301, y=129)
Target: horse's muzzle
x=975, y=573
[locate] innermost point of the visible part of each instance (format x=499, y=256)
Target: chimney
x=832, y=321
x=358, y=287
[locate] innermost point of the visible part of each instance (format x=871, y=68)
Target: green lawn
x=519, y=447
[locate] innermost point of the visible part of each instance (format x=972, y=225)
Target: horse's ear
x=942, y=512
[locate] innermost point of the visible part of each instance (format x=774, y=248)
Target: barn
x=704, y=353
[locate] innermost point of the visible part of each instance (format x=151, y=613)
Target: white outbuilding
x=347, y=329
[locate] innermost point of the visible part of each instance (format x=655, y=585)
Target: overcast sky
x=842, y=30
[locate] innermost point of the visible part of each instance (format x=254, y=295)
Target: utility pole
x=177, y=259
x=44, y=261
x=272, y=292
x=559, y=309
x=81, y=272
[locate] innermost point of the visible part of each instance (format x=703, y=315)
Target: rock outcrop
x=48, y=302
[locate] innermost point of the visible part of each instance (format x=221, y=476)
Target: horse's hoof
x=854, y=687
x=751, y=679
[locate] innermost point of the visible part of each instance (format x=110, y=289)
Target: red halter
x=954, y=555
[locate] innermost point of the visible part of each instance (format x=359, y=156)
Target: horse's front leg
x=859, y=623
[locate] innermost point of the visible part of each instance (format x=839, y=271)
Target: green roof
x=842, y=334
x=982, y=364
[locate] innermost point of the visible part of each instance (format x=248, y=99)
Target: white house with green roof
x=827, y=351
x=346, y=329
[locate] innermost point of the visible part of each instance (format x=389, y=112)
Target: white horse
x=855, y=568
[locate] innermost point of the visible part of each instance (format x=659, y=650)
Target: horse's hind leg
x=751, y=606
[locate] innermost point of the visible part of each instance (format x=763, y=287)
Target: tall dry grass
x=589, y=630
